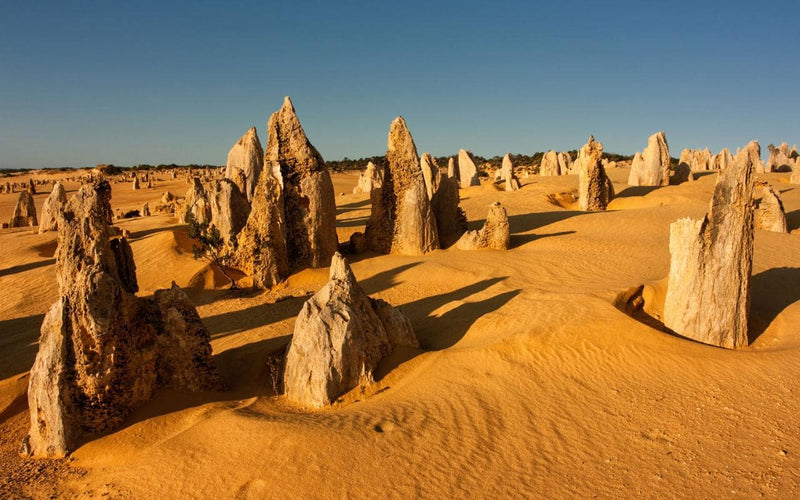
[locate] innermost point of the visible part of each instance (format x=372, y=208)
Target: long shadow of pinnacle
x=772, y=291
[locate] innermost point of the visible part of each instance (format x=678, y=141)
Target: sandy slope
x=530, y=382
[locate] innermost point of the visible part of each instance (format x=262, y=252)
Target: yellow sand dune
x=529, y=383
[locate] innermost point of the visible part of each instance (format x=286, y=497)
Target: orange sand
x=530, y=382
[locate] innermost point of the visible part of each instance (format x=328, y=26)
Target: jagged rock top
x=287, y=143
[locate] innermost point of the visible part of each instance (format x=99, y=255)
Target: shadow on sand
x=772, y=291
x=631, y=191
x=26, y=267
x=19, y=332
x=793, y=220
x=356, y=205
x=522, y=223
x=518, y=240
x=441, y=332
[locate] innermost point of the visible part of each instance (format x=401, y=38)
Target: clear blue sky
x=83, y=83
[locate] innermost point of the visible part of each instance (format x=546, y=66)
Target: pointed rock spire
x=368, y=180
x=102, y=350
x=711, y=259
x=261, y=244
x=245, y=163
x=430, y=173
x=340, y=336
x=550, y=164
x=467, y=171
x=494, y=234
x=652, y=169
x=308, y=196
x=52, y=208
x=25, y=211
x=402, y=221
x=507, y=174
x=595, y=190
x=769, y=214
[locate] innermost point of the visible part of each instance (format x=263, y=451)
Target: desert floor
x=530, y=382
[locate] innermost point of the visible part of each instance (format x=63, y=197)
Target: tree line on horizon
x=343, y=165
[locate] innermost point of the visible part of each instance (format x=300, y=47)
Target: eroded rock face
x=565, y=164
x=781, y=159
x=229, y=209
x=550, y=164
x=135, y=183
x=507, y=174
x=369, y=179
x=696, y=159
x=261, y=244
x=451, y=221
x=340, y=336
x=245, y=163
x=102, y=350
x=24, y=211
x=722, y=160
x=402, y=221
x=651, y=168
x=708, y=296
x=595, y=190
x=430, y=173
x=196, y=203
x=52, y=208
x=769, y=214
x=452, y=171
x=494, y=234
x=795, y=177
x=467, y=171
x=308, y=196
x=751, y=154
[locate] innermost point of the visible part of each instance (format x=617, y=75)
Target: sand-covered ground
x=529, y=383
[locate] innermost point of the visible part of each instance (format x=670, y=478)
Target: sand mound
x=529, y=380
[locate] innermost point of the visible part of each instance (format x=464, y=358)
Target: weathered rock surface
x=595, y=190
x=467, y=171
x=452, y=171
x=52, y=208
x=340, y=336
x=550, y=164
x=769, y=214
x=565, y=164
x=698, y=160
x=102, y=350
x=369, y=179
x=308, y=196
x=229, y=209
x=430, y=173
x=751, y=154
x=651, y=168
x=146, y=210
x=781, y=159
x=402, y=221
x=135, y=183
x=196, y=203
x=708, y=295
x=245, y=163
x=795, y=177
x=507, y=174
x=261, y=244
x=494, y=234
x=451, y=221
x=25, y=211
x=722, y=160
